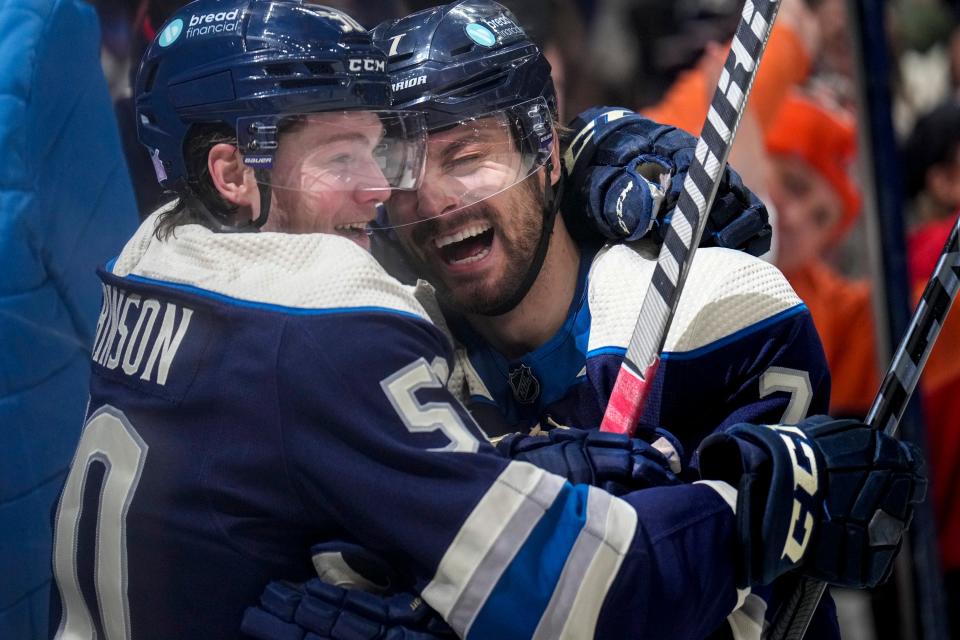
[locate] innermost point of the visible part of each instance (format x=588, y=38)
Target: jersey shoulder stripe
x=726, y=292
x=276, y=271
x=737, y=336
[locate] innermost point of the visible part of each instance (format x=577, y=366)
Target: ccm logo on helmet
x=366, y=64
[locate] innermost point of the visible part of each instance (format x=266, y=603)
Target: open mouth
x=465, y=246
x=353, y=231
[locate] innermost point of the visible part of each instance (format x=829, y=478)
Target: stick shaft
x=899, y=383
x=690, y=217
x=915, y=347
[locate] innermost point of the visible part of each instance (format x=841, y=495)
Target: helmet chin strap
x=263, y=185
x=551, y=203
x=218, y=223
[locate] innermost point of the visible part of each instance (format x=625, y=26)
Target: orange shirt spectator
x=811, y=148
x=786, y=62
x=842, y=313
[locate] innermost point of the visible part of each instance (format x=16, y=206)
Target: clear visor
x=475, y=160
x=337, y=151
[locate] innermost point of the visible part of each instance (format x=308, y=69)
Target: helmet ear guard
x=532, y=124
x=258, y=140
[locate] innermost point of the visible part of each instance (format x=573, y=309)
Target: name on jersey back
x=139, y=335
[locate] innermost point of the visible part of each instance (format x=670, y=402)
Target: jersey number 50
x=111, y=444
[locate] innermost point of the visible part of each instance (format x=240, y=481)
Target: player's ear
x=555, y=159
x=232, y=178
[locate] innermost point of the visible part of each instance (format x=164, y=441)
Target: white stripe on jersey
x=499, y=527
x=729, y=495
x=582, y=553
x=746, y=623
x=491, y=568
x=616, y=532
x=726, y=491
x=590, y=568
x=488, y=541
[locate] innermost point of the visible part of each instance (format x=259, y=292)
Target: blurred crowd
x=797, y=149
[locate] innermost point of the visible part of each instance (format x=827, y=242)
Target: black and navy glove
x=315, y=610
x=356, y=595
x=833, y=497
x=611, y=461
x=626, y=174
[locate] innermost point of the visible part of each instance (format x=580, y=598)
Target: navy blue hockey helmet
x=489, y=101
x=253, y=65
x=463, y=60
x=471, y=62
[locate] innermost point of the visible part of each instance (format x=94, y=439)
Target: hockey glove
x=832, y=496
x=611, y=461
x=356, y=595
x=316, y=609
x=626, y=174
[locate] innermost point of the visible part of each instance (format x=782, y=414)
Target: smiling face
x=472, y=229
x=326, y=178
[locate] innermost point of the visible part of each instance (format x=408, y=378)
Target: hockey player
x=546, y=348
x=185, y=494
x=543, y=335
x=543, y=319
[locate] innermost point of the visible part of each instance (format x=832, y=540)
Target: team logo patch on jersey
x=526, y=387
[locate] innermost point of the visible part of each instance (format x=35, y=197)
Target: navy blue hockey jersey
x=742, y=348
x=254, y=394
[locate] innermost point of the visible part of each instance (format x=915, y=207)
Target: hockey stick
x=690, y=217
x=794, y=616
